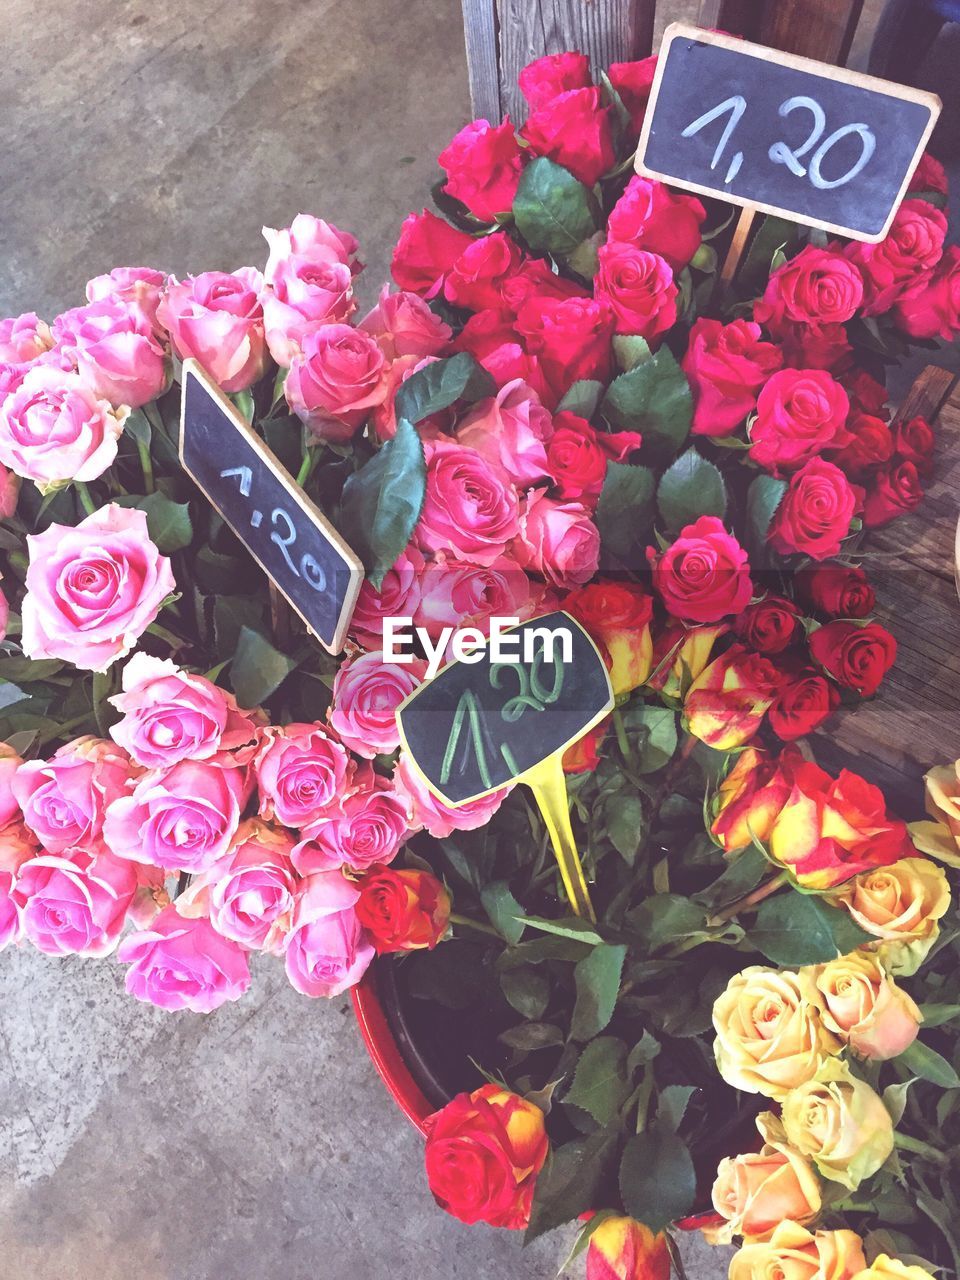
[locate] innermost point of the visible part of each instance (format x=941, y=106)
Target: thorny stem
x=743, y=904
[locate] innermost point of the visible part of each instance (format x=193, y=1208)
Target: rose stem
x=474, y=924
x=751, y=900
x=906, y=1143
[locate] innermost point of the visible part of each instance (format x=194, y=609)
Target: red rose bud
x=802, y=705
x=483, y=1153
x=726, y=365
x=748, y=800
x=818, y=286
x=704, y=575
x=858, y=657
x=633, y=81
x=570, y=337
x=915, y=441
x=577, y=455
x=930, y=308
x=425, y=253
x=929, y=175
x=477, y=278
x=814, y=514
x=492, y=340
x=403, y=910
x=895, y=491
x=650, y=216
x=546, y=78
x=726, y=704
x=638, y=288
x=574, y=130
x=623, y=1249
x=483, y=165
x=912, y=248
x=870, y=444
x=866, y=393
x=837, y=590
x=617, y=617
x=769, y=626
x=800, y=412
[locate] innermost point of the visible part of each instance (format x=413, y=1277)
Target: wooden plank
x=480, y=34
x=607, y=30
x=914, y=721
x=822, y=29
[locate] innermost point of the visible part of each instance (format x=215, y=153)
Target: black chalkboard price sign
x=781, y=134
x=286, y=533
x=478, y=726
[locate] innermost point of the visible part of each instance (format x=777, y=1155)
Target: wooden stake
x=741, y=234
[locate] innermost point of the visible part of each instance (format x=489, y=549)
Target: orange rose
x=617, y=617
x=727, y=701
x=622, y=1249
x=403, y=910
x=757, y=1191
x=900, y=905
x=748, y=800
x=584, y=755
x=794, y=1253
x=863, y=1005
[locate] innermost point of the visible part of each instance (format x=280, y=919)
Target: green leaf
x=600, y=1086
x=582, y=398
x=653, y=398
x=642, y=1053
x=528, y=1037
x=763, y=497
x=657, y=1178
x=138, y=428
x=438, y=385
x=383, y=500
x=583, y=260
x=799, y=928
x=672, y=1104
x=625, y=509
x=656, y=727
x=579, y=930
x=258, y=669
x=630, y=350
x=772, y=235
x=742, y=873
x=895, y=1099
x=926, y=1063
x=27, y=670
x=690, y=488
x=570, y=1182
x=527, y=990
x=552, y=210
x=168, y=522
x=625, y=821
x=598, y=984
x=935, y=1015
x=665, y=918
x=504, y=910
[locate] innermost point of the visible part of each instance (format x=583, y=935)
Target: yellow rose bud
x=623, y=1249
x=899, y=904
x=794, y=1253
x=885, y=1268
x=726, y=703
x=757, y=1191
x=840, y=1123
x=941, y=838
x=683, y=653
x=863, y=1005
x=748, y=800
x=770, y=1038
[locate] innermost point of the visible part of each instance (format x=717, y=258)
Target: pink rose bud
x=366, y=694
x=64, y=800
x=327, y=950
x=362, y=830
x=310, y=238
x=54, y=429
x=301, y=770
x=404, y=325
x=337, y=381
x=184, y=964
x=217, y=319
x=398, y=597
x=118, y=355
x=559, y=540
x=142, y=287
x=425, y=811
x=462, y=595
x=75, y=904
x=470, y=509
x=23, y=338
x=94, y=589
x=512, y=429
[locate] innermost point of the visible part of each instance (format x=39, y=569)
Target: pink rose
x=398, y=597
x=913, y=246
x=64, y=800
x=142, y=287
x=182, y=819
x=184, y=964
x=217, y=319
x=930, y=308
x=512, y=429
x=425, y=811
x=305, y=294
x=23, y=338
x=800, y=412
x=94, y=589
x=462, y=595
x=726, y=365
x=483, y=163
x=327, y=950
x=301, y=770
x=118, y=355
x=470, y=508
x=366, y=828
x=404, y=325
x=340, y=377
x=558, y=539
x=9, y=492
x=10, y=762
x=366, y=694
x=546, y=78
x=310, y=238
x=638, y=288
x=170, y=715
x=75, y=904
x=704, y=575
x=650, y=216
x=54, y=429
x=814, y=514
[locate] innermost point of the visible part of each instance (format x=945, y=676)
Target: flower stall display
x=557, y=408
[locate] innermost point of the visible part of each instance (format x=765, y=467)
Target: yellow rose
x=770, y=1038
x=680, y=656
x=885, y=1268
x=794, y=1253
x=863, y=1005
x=900, y=905
x=755, y=1192
x=941, y=838
x=840, y=1123
x=623, y=1249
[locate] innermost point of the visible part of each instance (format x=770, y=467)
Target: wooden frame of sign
x=352, y=562
x=687, y=31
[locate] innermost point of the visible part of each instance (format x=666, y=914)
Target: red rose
x=617, y=616
x=574, y=130
x=571, y=337
x=800, y=412
x=726, y=365
x=818, y=286
x=815, y=512
x=930, y=308
x=476, y=278
x=537, y=278
x=704, y=574
x=483, y=164
x=770, y=625
x=870, y=444
x=427, y=249
x=548, y=77
x=492, y=340
x=483, y=1153
x=929, y=175
x=895, y=491
x=802, y=705
x=639, y=289
x=403, y=910
x=633, y=81
x=650, y=216
x=866, y=393
x=913, y=246
x=577, y=455
x=914, y=440
x=837, y=590
x=858, y=657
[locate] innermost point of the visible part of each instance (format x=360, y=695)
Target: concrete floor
x=256, y=1143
